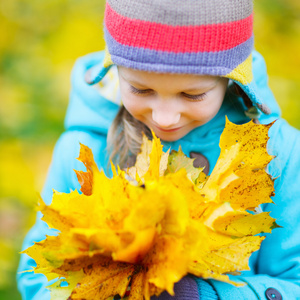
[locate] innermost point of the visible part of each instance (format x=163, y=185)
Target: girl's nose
x=165, y=117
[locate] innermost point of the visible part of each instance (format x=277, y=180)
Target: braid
x=125, y=138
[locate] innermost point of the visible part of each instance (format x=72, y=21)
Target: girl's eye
x=139, y=91
x=194, y=97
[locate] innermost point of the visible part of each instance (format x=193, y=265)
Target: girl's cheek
x=198, y=111
x=203, y=113
x=133, y=105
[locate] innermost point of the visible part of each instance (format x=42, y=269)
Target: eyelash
x=195, y=97
x=148, y=91
x=139, y=92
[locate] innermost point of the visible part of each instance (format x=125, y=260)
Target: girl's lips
x=169, y=130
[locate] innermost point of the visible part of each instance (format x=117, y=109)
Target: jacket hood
x=88, y=109
x=93, y=107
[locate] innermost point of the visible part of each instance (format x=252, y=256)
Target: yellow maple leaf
x=151, y=162
x=86, y=178
x=239, y=175
x=147, y=227
x=178, y=160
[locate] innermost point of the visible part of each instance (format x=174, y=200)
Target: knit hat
x=209, y=37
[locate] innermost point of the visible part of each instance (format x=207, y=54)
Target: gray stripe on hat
x=183, y=12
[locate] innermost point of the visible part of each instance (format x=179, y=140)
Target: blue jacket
x=277, y=263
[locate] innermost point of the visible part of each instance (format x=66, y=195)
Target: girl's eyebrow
x=195, y=88
x=192, y=89
x=132, y=81
x=136, y=83
x=198, y=88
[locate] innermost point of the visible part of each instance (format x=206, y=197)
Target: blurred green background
x=39, y=42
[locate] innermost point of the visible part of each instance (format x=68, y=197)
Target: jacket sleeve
x=62, y=178
x=275, y=268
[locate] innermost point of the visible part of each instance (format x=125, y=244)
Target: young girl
x=178, y=68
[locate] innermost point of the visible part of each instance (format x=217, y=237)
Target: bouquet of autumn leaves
x=152, y=224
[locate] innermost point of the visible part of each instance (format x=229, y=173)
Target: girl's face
x=171, y=104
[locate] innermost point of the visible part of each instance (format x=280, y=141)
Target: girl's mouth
x=169, y=130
